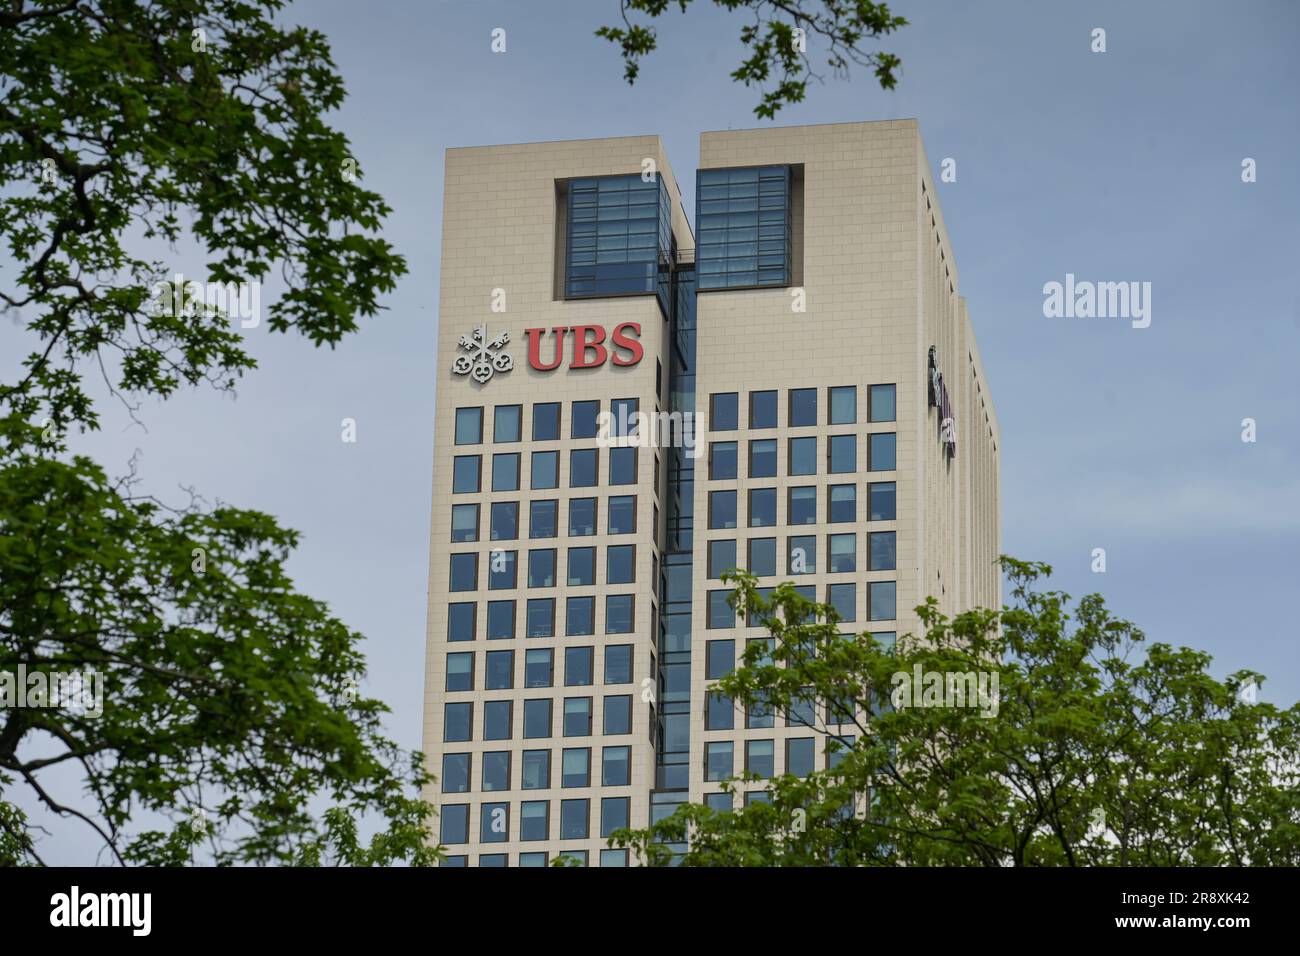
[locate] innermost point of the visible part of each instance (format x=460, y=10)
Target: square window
x=758, y=757
x=622, y=514
x=722, y=509
x=496, y=719
x=802, y=506
x=618, y=614
x=882, y=403
x=803, y=456
x=803, y=407
x=582, y=517
x=464, y=522
x=618, y=663
x=765, y=645
x=724, y=412
x=460, y=621
x=455, y=773
x=538, y=667
x=616, y=767
x=582, y=566
x=718, y=759
x=582, y=468
x=722, y=460
x=536, y=772
x=758, y=716
x=574, y=816
x=465, y=474
x=501, y=620
x=762, y=508
x=546, y=421
x=762, y=409
x=500, y=673
x=494, y=822
x=802, y=712
x=541, y=568
x=575, y=767
x=457, y=720
x=884, y=552
x=620, y=564
x=506, y=425
x=496, y=770
x=842, y=454
x=762, y=557
x=505, y=471
x=533, y=859
x=534, y=825
x=546, y=470
x=844, y=598
x=842, y=504
x=623, y=417
x=837, y=749
x=469, y=426
x=718, y=802
x=457, y=860
x=884, y=451
x=842, y=552
x=802, y=554
x=460, y=671
x=578, y=666
x=614, y=814
x=756, y=616
x=882, y=500
x=722, y=556
x=886, y=639
x=537, y=718
x=720, y=613
x=882, y=595
x=455, y=823
x=504, y=520
x=844, y=405
x=543, y=518
x=800, y=756
x=719, y=712
x=541, y=617
x=464, y=572
x=577, y=716
x=585, y=419
x=618, y=715
x=501, y=569
x=579, y=616
x=762, y=458
x=622, y=466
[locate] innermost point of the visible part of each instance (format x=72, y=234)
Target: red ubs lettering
x=589, y=346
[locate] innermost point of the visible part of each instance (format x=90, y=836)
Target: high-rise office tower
x=626, y=408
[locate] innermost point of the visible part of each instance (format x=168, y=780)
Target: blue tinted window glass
x=883, y=451
x=743, y=217
x=619, y=228
x=542, y=519
x=882, y=502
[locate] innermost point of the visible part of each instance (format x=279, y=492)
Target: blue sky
x=1123, y=165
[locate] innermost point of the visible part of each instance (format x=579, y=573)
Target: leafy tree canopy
x=777, y=39
x=231, y=706
x=1094, y=754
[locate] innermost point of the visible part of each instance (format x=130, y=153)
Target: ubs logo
x=484, y=358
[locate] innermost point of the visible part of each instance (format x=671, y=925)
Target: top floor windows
x=617, y=228
x=744, y=222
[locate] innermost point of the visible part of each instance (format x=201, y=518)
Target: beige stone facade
x=875, y=273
